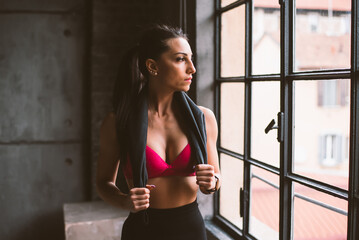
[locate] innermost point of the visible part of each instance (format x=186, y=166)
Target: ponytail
x=128, y=84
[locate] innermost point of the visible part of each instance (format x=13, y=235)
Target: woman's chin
x=186, y=89
x=183, y=89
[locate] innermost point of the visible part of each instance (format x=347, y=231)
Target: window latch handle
x=272, y=126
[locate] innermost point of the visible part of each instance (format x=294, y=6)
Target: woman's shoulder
x=109, y=119
x=209, y=116
x=208, y=113
x=109, y=123
x=211, y=122
x=110, y=116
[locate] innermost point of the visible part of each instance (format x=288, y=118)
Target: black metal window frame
x=286, y=77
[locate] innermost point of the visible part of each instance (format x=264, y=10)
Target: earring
x=153, y=72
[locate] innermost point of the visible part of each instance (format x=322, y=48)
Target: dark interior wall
x=58, y=63
x=205, y=45
x=115, y=28
x=42, y=107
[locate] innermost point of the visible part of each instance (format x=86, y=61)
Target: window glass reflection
x=322, y=34
x=321, y=130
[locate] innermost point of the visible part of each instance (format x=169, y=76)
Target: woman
x=159, y=140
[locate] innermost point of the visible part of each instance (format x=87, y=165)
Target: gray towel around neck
x=190, y=117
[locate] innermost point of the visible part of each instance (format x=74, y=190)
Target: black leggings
x=181, y=223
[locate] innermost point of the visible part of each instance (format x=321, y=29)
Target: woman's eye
x=180, y=59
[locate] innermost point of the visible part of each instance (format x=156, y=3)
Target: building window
x=332, y=93
x=331, y=146
x=283, y=78
x=313, y=22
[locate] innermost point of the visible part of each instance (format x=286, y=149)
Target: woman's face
x=175, y=66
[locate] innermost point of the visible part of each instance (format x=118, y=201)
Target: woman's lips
x=188, y=79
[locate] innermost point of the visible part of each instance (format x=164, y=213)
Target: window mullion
x=247, y=121
x=217, y=109
x=353, y=204
x=286, y=187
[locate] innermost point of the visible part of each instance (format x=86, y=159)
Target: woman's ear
x=152, y=67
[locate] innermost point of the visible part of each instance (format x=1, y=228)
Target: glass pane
x=312, y=221
x=226, y=2
x=321, y=130
x=232, y=181
x=322, y=34
x=265, y=106
x=266, y=37
x=232, y=42
x=264, y=219
x=232, y=116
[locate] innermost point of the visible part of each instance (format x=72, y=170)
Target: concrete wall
x=42, y=123
x=58, y=63
x=205, y=47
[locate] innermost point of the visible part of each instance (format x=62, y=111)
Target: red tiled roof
x=316, y=51
x=337, y=5
x=311, y=222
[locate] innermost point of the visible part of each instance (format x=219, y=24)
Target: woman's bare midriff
x=171, y=192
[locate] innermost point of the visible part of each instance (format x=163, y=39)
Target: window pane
x=226, y=2
x=265, y=106
x=266, y=37
x=321, y=130
x=232, y=42
x=232, y=116
x=232, y=181
x=264, y=219
x=312, y=221
x=322, y=34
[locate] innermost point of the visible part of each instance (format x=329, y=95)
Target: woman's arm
x=107, y=167
x=206, y=172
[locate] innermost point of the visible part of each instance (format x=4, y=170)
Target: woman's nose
x=191, y=68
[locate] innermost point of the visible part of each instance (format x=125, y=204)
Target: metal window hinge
x=280, y=136
x=243, y=199
x=241, y=202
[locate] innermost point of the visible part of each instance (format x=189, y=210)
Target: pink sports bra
x=157, y=167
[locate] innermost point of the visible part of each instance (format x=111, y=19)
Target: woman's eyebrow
x=186, y=54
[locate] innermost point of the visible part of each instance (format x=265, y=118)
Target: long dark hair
x=133, y=74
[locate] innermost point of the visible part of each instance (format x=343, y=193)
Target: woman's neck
x=159, y=101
